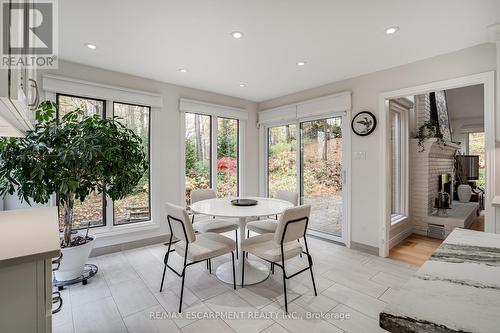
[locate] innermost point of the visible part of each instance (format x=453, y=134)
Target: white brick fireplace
x=427, y=164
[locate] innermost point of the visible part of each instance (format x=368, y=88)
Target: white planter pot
x=464, y=192
x=73, y=261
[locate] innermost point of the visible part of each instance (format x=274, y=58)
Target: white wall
x=366, y=206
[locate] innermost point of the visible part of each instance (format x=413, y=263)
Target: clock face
x=364, y=123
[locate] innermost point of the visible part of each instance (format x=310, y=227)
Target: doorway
x=388, y=236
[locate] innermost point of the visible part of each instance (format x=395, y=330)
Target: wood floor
x=415, y=249
x=478, y=224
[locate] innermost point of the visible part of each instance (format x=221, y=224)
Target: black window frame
x=149, y=165
x=104, y=197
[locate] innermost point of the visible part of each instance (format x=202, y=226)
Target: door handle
x=36, y=99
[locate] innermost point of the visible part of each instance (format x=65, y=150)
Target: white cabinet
x=26, y=297
x=21, y=94
x=29, y=239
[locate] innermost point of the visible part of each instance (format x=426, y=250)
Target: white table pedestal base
x=255, y=272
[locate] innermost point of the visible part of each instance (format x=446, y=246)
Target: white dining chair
x=192, y=247
x=215, y=225
x=282, y=245
x=269, y=225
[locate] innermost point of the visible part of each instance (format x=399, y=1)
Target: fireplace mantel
x=436, y=146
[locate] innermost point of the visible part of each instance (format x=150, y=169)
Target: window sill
x=396, y=219
x=105, y=232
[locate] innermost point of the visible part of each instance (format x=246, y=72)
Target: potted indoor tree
x=68, y=159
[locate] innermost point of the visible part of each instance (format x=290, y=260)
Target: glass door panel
x=198, y=153
x=281, y=159
x=321, y=173
x=227, y=157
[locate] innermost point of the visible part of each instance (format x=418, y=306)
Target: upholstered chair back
x=292, y=230
x=179, y=217
x=202, y=194
x=289, y=196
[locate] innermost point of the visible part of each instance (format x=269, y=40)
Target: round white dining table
x=255, y=271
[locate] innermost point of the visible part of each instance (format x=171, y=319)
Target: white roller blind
x=310, y=108
x=70, y=86
x=193, y=106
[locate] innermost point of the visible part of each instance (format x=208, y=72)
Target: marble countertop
x=28, y=235
x=456, y=290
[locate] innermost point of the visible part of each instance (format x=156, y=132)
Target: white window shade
x=193, y=106
x=306, y=109
x=69, y=86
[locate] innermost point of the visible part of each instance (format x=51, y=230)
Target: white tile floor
x=125, y=293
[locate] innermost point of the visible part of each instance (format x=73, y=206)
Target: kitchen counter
x=456, y=290
x=28, y=235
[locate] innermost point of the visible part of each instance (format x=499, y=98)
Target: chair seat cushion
x=215, y=225
x=262, y=226
x=264, y=246
x=206, y=245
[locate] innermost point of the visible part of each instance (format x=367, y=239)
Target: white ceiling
x=338, y=39
x=465, y=102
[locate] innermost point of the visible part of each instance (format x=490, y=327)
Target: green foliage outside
x=198, y=163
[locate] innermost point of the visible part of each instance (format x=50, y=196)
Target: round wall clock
x=364, y=123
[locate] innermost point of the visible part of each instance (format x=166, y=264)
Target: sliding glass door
x=321, y=180
x=306, y=156
x=281, y=159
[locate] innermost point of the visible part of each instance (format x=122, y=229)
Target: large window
x=200, y=133
x=93, y=210
x=227, y=157
x=321, y=173
x=307, y=157
x=198, y=152
x=135, y=207
x=398, y=162
x=281, y=159
x=476, y=146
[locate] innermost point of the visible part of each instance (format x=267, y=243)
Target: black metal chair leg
x=182, y=289
x=312, y=278
x=300, y=254
x=243, y=270
x=236, y=232
x=284, y=285
x=272, y=267
x=209, y=266
x=207, y=263
x=234, y=272
x=163, y=277
x=165, y=259
x=309, y=258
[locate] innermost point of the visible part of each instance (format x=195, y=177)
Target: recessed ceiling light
x=237, y=34
x=183, y=70
x=391, y=30
x=301, y=63
x=242, y=85
x=91, y=46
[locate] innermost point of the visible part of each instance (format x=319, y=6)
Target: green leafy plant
x=71, y=158
x=429, y=129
